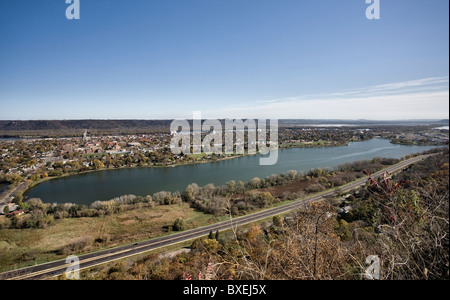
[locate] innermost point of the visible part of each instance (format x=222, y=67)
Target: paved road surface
x=89, y=260
x=9, y=195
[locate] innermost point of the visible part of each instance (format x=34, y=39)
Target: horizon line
x=168, y=119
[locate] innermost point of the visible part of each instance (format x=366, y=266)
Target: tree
x=255, y=183
x=14, y=178
x=277, y=221
x=292, y=174
x=266, y=198
x=191, y=192
x=179, y=225
x=240, y=188
x=35, y=204
x=210, y=245
x=98, y=164
x=231, y=186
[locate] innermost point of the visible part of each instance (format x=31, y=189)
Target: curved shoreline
x=34, y=184
x=42, y=180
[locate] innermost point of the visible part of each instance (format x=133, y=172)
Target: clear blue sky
x=145, y=59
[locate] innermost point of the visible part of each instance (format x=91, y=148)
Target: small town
x=29, y=161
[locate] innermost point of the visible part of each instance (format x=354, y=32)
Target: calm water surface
x=105, y=185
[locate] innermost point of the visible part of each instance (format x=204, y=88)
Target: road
x=55, y=268
x=8, y=196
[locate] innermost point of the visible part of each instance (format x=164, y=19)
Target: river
x=105, y=185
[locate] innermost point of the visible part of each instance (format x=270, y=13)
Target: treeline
x=40, y=214
x=10, y=178
x=70, y=125
x=82, y=163
x=338, y=136
x=239, y=198
x=407, y=230
x=235, y=198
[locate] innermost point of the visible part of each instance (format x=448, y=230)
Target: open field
x=103, y=229
x=21, y=247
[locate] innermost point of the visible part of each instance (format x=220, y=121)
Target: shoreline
x=273, y=206
x=33, y=184
x=42, y=180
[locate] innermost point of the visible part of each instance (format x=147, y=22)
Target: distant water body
x=329, y=125
x=105, y=185
x=9, y=139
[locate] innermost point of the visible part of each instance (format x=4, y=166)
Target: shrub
x=76, y=245
x=315, y=188
x=292, y=174
x=179, y=225
x=277, y=221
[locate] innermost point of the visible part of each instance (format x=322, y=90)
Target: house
x=344, y=210
x=134, y=144
x=15, y=213
x=68, y=148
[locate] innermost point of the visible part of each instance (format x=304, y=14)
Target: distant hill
x=114, y=124
x=364, y=122
x=80, y=124
x=56, y=128
x=49, y=128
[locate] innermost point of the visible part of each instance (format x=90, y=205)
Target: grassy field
x=23, y=247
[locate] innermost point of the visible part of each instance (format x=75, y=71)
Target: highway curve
x=58, y=267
